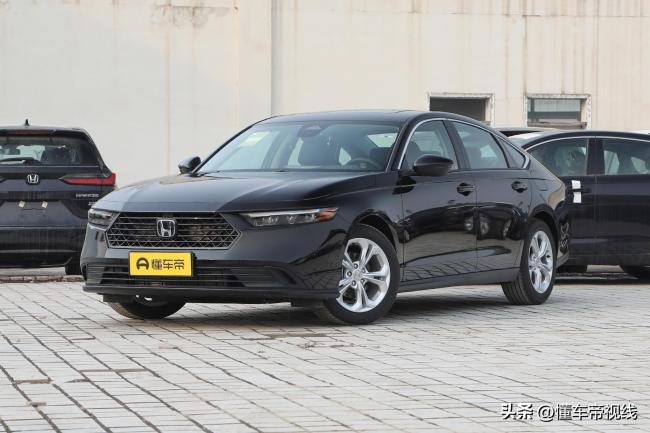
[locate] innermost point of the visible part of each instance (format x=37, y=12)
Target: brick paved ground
x=443, y=360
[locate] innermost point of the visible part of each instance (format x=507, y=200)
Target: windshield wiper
x=20, y=158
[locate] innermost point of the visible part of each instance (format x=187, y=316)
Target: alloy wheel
x=365, y=276
x=540, y=261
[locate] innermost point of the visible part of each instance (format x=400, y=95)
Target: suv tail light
x=90, y=180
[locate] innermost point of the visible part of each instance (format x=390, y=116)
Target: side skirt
x=486, y=277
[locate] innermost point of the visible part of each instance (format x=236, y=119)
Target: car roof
x=388, y=116
x=38, y=129
x=527, y=140
x=509, y=131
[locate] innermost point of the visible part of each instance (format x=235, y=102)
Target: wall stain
x=195, y=16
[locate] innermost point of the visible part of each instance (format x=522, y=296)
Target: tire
x=349, y=309
x=640, y=272
x=572, y=269
x=73, y=267
x=146, y=308
x=534, y=289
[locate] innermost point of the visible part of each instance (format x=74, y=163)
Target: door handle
x=519, y=186
x=465, y=188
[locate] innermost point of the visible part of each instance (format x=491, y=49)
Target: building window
x=476, y=106
x=558, y=111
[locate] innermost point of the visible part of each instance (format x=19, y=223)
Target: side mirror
x=432, y=165
x=189, y=164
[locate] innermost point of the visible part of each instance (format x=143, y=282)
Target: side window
x=481, y=148
x=430, y=138
x=563, y=157
x=626, y=156
x=517, y=158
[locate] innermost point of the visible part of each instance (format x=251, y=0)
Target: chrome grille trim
x=194, y=230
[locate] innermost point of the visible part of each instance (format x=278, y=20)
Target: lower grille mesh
x=205, y=275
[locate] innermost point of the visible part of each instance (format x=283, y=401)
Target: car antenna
x=26, y=122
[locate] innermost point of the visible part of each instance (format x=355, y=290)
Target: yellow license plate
x=160, y=264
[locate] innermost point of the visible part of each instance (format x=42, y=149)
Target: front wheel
x=143, y=308
x=369, y=279
x=640, y=272
x=537, y=270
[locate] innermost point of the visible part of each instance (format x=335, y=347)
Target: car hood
x=234, y=192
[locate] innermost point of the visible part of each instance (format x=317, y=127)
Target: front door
x=572, y=159
x=438, y=211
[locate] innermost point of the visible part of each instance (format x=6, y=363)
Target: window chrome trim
x=587, y=137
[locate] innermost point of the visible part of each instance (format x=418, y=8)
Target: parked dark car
x=608, y=175
x=510, y=131
x=336, y=211
x=49, y=179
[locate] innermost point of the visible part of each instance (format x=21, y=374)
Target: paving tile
x=443, y=360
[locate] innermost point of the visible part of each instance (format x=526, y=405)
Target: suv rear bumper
x=37, y=246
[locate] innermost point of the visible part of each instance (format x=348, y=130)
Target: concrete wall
x=157, y=80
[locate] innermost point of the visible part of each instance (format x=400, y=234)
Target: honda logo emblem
x=33, y=179
x=166, y=228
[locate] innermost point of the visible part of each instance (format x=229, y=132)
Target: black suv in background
x=49, y=178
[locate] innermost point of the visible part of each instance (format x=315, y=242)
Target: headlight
x=100, y=218
x=290, y=217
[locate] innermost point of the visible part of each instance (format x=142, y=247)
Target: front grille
x=193, y=230
x=205, y=275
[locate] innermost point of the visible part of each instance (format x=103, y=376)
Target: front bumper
x=214, y=281
x=280, y=263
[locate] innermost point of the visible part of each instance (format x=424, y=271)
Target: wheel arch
x=379, y=222
x=546, y=216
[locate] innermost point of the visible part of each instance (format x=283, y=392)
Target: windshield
x=307, y=146
x=45, y=150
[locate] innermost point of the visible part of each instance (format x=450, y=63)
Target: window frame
x=585, y=109
x=594, y=162
x=600, y=154
x=459, y=144
x=511, y=164
x=488, y=98
x=402, y=151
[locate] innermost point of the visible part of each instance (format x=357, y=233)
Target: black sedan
x=336, y=211
x=49, y=179
x=608, y=175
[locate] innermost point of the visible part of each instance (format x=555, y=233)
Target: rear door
x=504, y=196
x=573, y=159
x=49, y=178
x=623, y=200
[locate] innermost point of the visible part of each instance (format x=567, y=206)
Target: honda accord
x=335, y=211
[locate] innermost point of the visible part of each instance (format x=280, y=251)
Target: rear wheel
x=369, y=279
x=142, y=307
x=537, y=271
x=640, y=272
